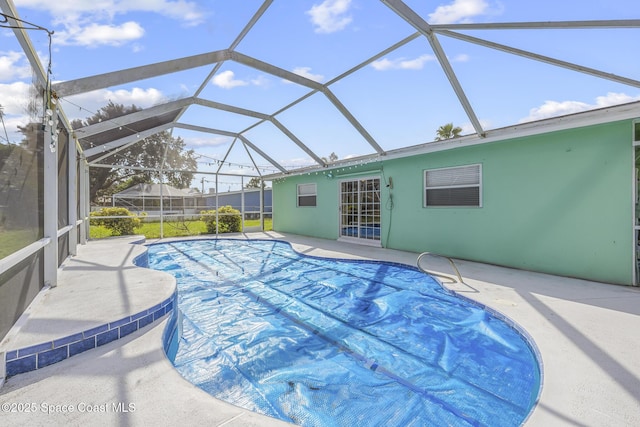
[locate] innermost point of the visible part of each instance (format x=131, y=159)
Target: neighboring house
x=555, y=196
x=247, y=200
x=146, y=198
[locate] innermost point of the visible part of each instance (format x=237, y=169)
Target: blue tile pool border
x=40, y=355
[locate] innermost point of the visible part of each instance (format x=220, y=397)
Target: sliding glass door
x=360, y=209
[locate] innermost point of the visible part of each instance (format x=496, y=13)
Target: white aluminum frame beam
x=541, y=25
x=222, y=163
x=204, y=129
x=234, y=135
x=84, y=199
x=347, y=114
x=140, y=168
x=423, y=26
x=246, y=148
x=254, y=19
x=72, y=192
x=546, y=59
x=312, y=84
x=295, y=139
x=50, y=204
x=115, y=78
x=375, y=58
x=25, y=42
x=116, y=145
x=50, y=198
x=263, y=117
x=255, y=148
x=230, y=108
x=275, y=71
x=107, y=125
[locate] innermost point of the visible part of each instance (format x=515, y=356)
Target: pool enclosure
x=66, y=148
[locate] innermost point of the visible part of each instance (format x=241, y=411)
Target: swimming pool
x=322, y=342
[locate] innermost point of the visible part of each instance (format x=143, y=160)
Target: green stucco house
x=555, y=196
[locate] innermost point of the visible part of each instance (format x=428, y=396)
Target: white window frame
x=314, y=195
x=478, y=185
x=635, y=144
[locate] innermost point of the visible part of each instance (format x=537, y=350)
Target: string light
x=342, y=169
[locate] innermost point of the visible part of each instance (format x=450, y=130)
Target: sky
x=400, y=99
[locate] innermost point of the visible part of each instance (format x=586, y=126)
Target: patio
x=586, y=333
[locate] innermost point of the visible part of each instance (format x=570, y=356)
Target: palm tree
x=447, y=132
x=332, y=158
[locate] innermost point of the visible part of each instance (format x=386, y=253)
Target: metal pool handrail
x=450, y=280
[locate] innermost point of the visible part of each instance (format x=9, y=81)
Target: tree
x=332, y=158
x=447, y=132
x=255, y=183
x=147, y=153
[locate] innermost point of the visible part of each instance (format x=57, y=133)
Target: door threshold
x=358, y=241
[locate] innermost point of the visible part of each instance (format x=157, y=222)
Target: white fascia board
x=588, y=118
x=573, y=121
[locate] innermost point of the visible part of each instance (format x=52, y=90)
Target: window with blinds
x=306, y=195
x=457, y=186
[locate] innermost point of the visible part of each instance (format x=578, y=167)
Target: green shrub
x=229, y=220
x=118, y=226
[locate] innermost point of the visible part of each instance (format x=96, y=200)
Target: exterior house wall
x=559, y=202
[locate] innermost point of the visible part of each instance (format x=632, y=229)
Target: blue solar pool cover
x=334, y=342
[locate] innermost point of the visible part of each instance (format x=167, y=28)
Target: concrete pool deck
x=587, y=334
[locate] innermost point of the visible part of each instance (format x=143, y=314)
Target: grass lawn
x=14, y=240
x=151, y=230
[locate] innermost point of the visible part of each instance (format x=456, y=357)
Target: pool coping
x=584, y=330
x=38, y=356
x=62, y=344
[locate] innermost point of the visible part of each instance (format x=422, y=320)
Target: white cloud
x=211, y=141
x=260, y=81
x=297, y=162
x=14, y=100
x=140, y=97
x=14, y=97
x=306, y=72
x=467, y=128
x=13, y=65
x=458, y=11
x=189, y=12
x=402, y=63
x=12, y=124
x=226, y=80
x=91, y=23
x=555, y=108
x=463, y=57
x=330, y=16
x=95, y=35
